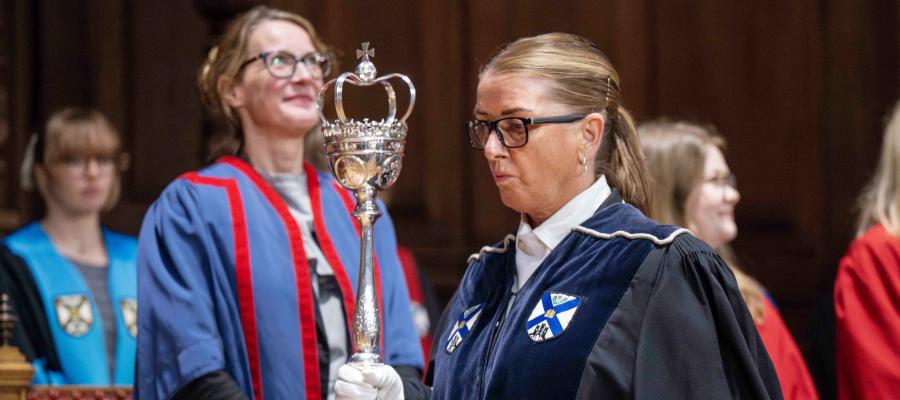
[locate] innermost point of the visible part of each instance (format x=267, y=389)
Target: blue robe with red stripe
x=224, y=284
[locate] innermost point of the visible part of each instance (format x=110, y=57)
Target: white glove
x=384, y=378
x=379, y=382
x=351, y=385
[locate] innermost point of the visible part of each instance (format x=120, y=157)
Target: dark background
x=799, y=88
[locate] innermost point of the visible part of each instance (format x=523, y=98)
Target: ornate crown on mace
x=365, y=153
x=364, y=75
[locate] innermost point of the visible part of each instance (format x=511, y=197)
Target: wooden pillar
x=15, y=372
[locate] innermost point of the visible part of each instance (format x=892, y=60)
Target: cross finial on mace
x=366, y=71
x=365, y=52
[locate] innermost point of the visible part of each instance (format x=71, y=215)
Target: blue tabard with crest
x=75, y=322
x=622, y=308
x=514, y=359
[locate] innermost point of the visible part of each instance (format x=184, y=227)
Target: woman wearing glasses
x=85, y=274
x=589, y=298
x=693, y=187
x=247, y=266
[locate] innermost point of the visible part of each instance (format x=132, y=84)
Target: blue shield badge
x=463, y=326
x=551, y=316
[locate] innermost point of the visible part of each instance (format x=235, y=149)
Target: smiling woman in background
x=85, y=273
x=694, y=188
x=247, y=267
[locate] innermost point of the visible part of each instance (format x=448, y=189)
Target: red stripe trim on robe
x=340, y=272
x=301, y=273
x=417, y=295
x=243, y=272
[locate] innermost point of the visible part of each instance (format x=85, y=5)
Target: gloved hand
x=379, y=382
x=351, y=385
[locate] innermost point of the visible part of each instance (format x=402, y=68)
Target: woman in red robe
x=867, y=289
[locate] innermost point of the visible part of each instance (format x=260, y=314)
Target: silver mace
x=365, y=157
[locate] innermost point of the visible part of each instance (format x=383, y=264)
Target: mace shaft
x=366, y=320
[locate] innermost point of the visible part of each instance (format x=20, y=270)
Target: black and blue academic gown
x=225, y=284
x=74, y=320
x=31, y=333
x=622, y=308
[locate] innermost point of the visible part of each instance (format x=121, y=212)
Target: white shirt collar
x=533, y=245
x=576, y=211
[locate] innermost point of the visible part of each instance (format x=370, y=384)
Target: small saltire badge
x=73, y=312
x=551, y=316
x=463, y=326
x=129, y=315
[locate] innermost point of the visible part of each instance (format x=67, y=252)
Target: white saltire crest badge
x=551, y=316
x=73, y=312
x=129, y=315
x=463, y=326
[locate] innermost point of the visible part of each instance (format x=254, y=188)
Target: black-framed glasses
x=512, y=131
x=283, y=64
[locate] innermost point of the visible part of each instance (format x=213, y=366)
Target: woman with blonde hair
x=85, y=273
x=248, y=266
x=867, y=287
x=589, y=298
x=693, y=187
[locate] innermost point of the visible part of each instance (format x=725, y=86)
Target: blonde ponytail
x=622, y=161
